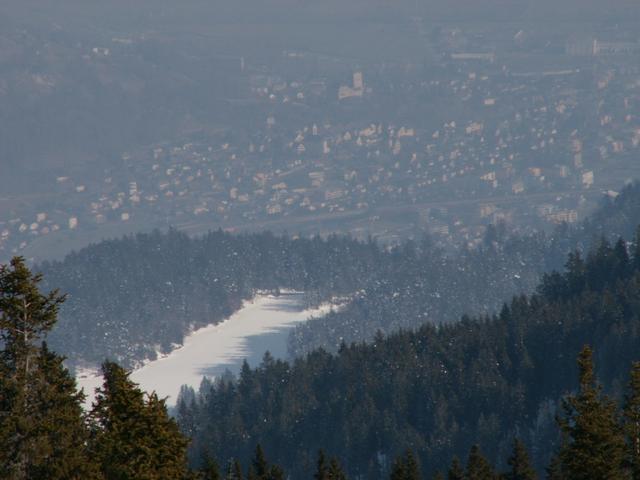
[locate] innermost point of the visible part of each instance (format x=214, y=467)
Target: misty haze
x=288, y=239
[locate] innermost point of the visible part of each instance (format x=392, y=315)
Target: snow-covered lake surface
x=260, y=325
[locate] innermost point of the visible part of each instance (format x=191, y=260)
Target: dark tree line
x=403, y=407
x=431, y=286
x=127, y=296
x=436, y=390
x=598, y=441
x=44, y=431
x=130, y=295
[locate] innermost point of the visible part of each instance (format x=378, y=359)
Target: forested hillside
x=389, y=409
x=131, y=297
x=437, y=390
x=439, y=288
x=44, y=431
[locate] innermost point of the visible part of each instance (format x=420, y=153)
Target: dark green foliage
x=234, y=471
x=520, y=467
x=322, y=470
x=593, y=445
x=186, y=411
x=335, y=471
x=259, y=466
x=456, y=470
x=554, y=469
x=132, y=435
x=42, y=432
x=478, y=468
x=275, y=473
x=210, y=470
x=406, y=468
x=398, y=471
x=328, y=471
x=438, y=390
x=180, y=282
x=632, y=421
x=261, y=470
x=150, y=289
x=412, y=467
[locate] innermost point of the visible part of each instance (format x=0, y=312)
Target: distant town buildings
x=357, y=90
x=447, y=151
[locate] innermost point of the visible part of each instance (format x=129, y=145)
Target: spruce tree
x=237, y=470
x=456, y=471
x=622, y=264
x=261, y=470
x=521, y=468
x=335, y=471
x=398, y=471
x=322, y=470
x=275, y=473
x=42, y=432
x=554, y=469
x=234, y=471
x=412, y=468
x=636, y=250
x=259, y=466
x=63, y=422
x=632, y=421
x=133, y=437
x=406, y=468
x=478, y=468
x=210, y=469
x=593, y=443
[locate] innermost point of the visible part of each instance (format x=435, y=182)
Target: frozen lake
x=260, y=325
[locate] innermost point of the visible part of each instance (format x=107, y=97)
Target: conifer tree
x=42, y=432
x=456, y=471
x=478, y=468
x=63, y=422
x=621, y=258
x=632, y=421
x=593, y=443
x=636, y=250
x=406, y=468
x=275, y=473
x=412, y=468
x=554, y=469
x=234, y=471
x=398, y=471
x=332, y=471
x=521, y=468
x=261, y=470
x=210, y=469
x=259, y=467
x=133, y=437
x=335, y=471
x=186, y=411
x=322, y=470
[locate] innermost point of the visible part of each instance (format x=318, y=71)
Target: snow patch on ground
x=209, y=349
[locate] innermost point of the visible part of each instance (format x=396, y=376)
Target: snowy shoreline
x=223, y=345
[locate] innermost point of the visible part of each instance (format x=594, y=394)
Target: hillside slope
x=435, y=390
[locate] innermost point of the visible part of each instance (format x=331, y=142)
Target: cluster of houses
x=513, y=133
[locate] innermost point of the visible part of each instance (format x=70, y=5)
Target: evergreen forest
x=489, y=397
x=441, y=389
x=132, y=297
